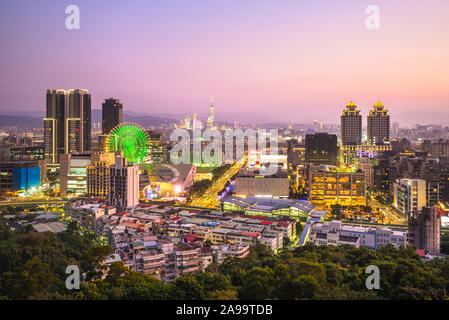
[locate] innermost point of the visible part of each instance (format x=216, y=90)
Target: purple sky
x=295, y=60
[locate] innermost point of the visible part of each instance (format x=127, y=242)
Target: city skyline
x=287, y=61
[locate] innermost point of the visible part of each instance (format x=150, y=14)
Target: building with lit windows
x=409, y=196
x=330, y=185
x=350, y=154
x=351, y=125
x=19, y=175
x=97, y=177
x=73, y=170
x=378, y=125
x=294, y=209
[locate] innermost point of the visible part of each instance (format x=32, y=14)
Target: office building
x=54, y=125
x=158, y=150
x=378, y=125
x=321, y=148
x=78, y=121
x=424, y=230
x=351, y=125
x=329, y=185
x=409, y=196
x=20, y=175
x=67, y=125
x=112, y=114
x=123, y=184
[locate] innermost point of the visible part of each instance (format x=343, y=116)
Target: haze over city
x=289, y=60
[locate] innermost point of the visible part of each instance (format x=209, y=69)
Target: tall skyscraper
x=78, y=121
x=321, y=148
x=351, y=125
x=54, y=125
x=67, y=125
x=123, y=184
x=378, y=125
x=112, y=114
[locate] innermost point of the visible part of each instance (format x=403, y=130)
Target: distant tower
x=378, y=125
x=351, y=125
x=187, y=122
x=212, y=113
x=194, y=123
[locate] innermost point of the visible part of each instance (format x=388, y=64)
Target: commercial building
x=73, y=170
x=158, y=150
x=378, y=125
x=293, y=209
x=330, y=185
x=169, y=180
x=19, y=175
x=112, y=114
x=409, y=196
x=321, y=148
x=254, y=183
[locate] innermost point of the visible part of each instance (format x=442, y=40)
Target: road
x=209, y=198
x=389, y=213
x=31, y=202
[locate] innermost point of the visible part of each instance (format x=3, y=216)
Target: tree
x=257, y=284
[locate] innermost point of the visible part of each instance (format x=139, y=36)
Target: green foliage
x=32, y=266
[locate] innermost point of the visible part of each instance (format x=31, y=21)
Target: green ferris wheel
x=130, y=138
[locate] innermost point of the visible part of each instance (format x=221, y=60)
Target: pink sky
x=291, y=60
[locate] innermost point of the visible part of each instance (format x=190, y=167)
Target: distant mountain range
x=33, y=119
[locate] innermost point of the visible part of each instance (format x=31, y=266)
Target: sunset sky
x=295, y=60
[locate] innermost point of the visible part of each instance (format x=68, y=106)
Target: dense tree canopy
x=32, y=266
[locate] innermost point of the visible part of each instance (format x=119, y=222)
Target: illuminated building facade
x=19, y=175
x=409, y=196
x=73, y=170
x=351, y=153
x=378, y=125
x=351, y=125
x=97, y=177
x=329, y=185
